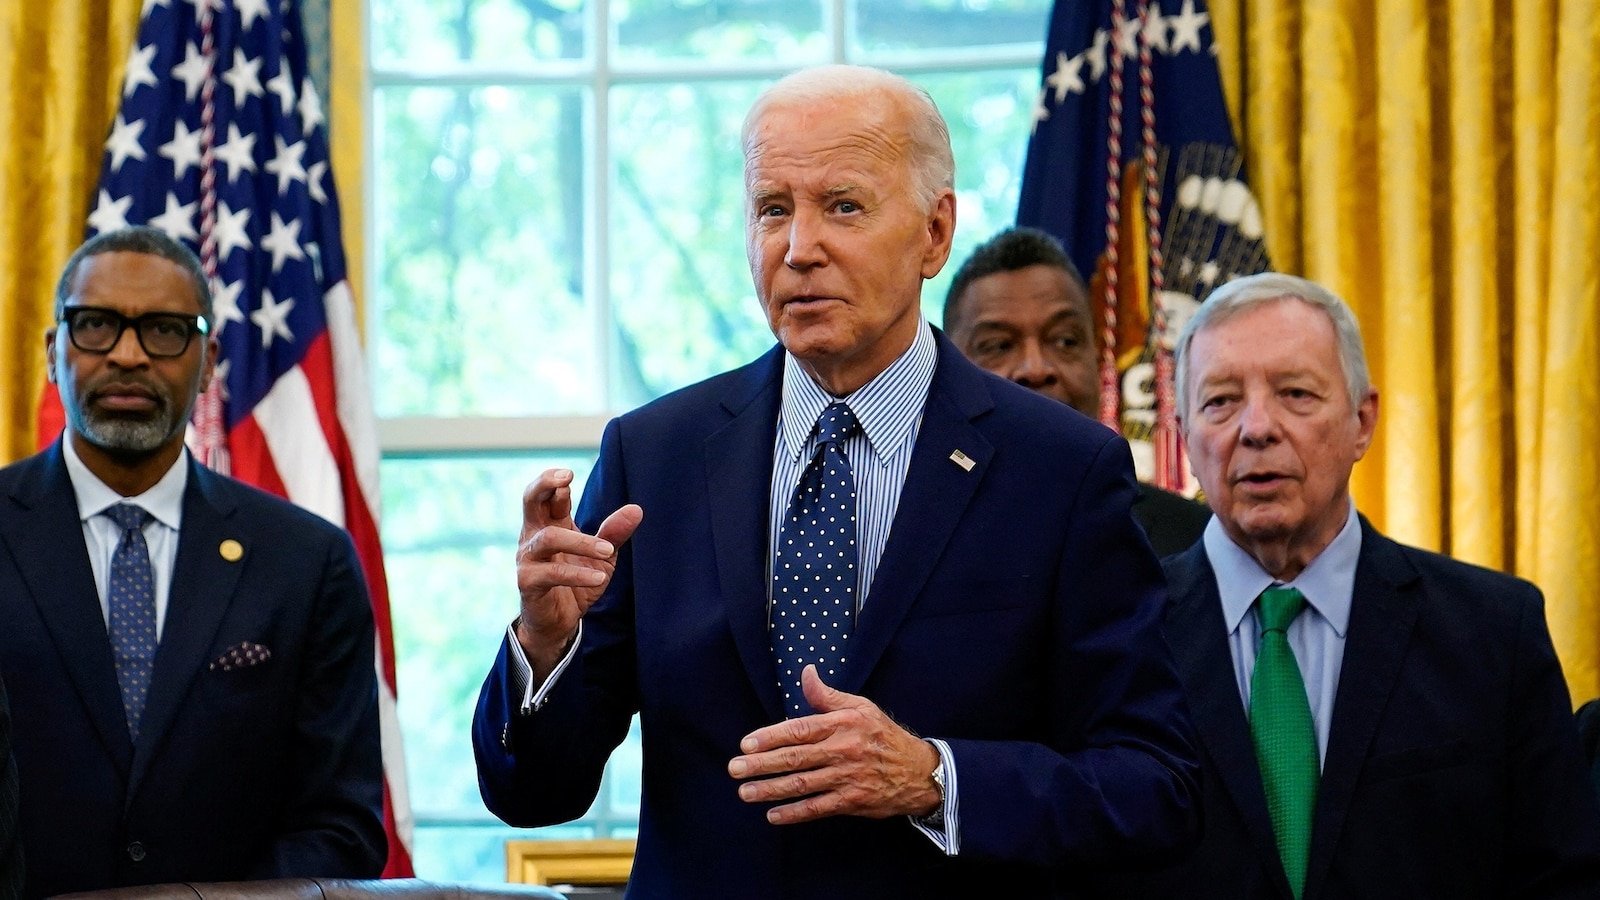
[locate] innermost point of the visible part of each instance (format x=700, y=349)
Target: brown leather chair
x=322, y=889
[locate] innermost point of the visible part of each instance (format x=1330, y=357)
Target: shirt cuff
x=521, y=670
x=946, y=834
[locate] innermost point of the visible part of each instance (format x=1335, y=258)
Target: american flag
x=1133, y=166
x=221, y=143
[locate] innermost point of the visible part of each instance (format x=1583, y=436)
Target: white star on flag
x=1128, y=37
x=183, y=149
x=225, y=305
x=1186, y=27
x=1097, y=54
x=139, y=73
x=314, y=180
x=286, y=164
x=124, y=142
x=109, y=215
x=1155, y=29
x=273, y=319
x=281, y=85
x=178, y=220
x=251, y=10
x=239, y=152
x=310, y=107
x=284, y=241
x=244, y=77
x=1066, y=77
x=1040, y=110
x=192, y=71
x=230, y=230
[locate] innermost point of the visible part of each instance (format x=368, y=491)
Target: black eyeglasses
x=94, y=329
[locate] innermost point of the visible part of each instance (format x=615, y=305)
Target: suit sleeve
x=1555, y=832
x=544, y=767
x=333, y=822
x=1117, y=777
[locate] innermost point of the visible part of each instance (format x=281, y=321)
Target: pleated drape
x=60, y=70
x=1438, y=165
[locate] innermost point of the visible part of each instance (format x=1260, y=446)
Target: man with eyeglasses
x=190, y=661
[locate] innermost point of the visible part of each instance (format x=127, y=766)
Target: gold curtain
x=1438, y=165
x=60, y=73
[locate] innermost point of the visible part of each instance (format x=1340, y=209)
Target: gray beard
x=123, y=436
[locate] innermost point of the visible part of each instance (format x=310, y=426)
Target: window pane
x=920, y=25
x=785, y=31
x=989, y=114
x=450, y=531
x=442, y=34
x=479, y=253
x=680, y=285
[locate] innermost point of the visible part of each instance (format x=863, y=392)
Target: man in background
x=1019, y=308
x=1377, y=721
x=796, y=570
x=190, y=661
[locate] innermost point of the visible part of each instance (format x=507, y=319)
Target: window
x=555, y=215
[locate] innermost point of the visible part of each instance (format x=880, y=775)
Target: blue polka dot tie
x=132, y=596
x=814, y=566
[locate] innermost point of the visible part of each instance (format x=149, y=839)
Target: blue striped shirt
x=889, y=408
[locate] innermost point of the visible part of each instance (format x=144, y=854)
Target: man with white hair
x=1375, y=720
x=794, y=570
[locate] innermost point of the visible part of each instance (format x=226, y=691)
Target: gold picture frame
x=596, y=862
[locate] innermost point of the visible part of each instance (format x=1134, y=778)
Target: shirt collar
x=887, y=406
x=1328, y=583
x=163, y=501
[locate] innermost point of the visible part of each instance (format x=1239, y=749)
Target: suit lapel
x=936, y=493
x=203, y=585
x=739, y=481
x=1382, y=615
x=1199, y=639
x=50, y=554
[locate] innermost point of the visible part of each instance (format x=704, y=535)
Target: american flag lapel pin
x=962, y=460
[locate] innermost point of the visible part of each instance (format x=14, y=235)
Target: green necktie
x=1284, y=735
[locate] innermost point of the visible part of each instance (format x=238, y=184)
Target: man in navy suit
x=193, y=695
x=1408, y=732
x=1019, y=308
x=1001, y=600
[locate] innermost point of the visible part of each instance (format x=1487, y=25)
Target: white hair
x=1242, y=294
x=933, y=167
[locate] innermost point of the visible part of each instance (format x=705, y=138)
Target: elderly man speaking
x=1375, y=720
x=795, y=571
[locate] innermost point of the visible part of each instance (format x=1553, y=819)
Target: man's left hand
x=848, y=759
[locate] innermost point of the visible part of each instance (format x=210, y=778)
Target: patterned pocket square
x=242, y=656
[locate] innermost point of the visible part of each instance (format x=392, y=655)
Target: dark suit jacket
x=10, y=842
x=1452, y=768
x=267, y=770
x=1172, y=523
x=1032, y=646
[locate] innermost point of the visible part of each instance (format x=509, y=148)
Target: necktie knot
x=128, y=516
x=1279, y=606
x=837, y=423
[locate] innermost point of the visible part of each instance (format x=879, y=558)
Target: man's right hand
x=561, y=571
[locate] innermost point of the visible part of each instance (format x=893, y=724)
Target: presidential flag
x=1133, y=165
x=220, y=142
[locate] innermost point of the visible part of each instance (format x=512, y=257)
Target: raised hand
x=561, y=571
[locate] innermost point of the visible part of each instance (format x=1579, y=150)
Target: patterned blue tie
x=814, y=566
x=132, y=596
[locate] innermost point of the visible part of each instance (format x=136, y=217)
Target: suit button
x=136, y=851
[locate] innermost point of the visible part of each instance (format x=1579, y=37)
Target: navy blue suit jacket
x=1014, y=613
x=1452, y=768
x=268, y=770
